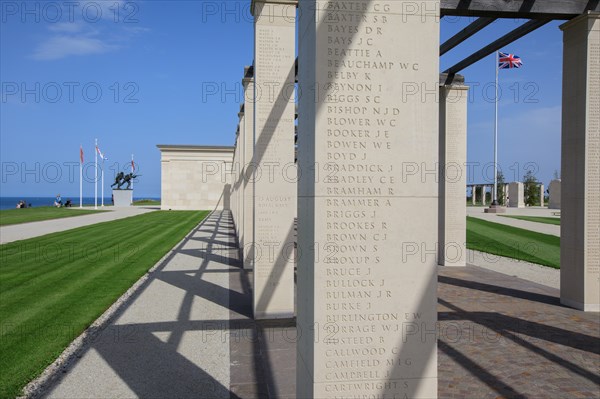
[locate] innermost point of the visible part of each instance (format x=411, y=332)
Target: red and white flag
x=102, y=156
x=80, y=154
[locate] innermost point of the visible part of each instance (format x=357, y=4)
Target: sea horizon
x=11, y=202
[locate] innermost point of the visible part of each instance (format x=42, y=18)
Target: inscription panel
x=247, y=182
x=580, y=203
x=274, y=194
x=373, y=205
x=592, y=184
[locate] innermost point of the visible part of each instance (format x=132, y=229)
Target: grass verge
x=18, y=216
x=537, y=219
x=512, y=242
x=146, y=202
x=53, y=287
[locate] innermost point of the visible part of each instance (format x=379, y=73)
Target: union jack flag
x=508, y=61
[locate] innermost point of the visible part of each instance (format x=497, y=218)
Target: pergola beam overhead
x=528, y=9
x=510, y=37
x=464, y=34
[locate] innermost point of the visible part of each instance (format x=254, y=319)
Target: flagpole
x=80, y=176
x=495, y=193
x=102, y=182
x=96, y=176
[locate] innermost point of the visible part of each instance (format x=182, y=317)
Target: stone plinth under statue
x=495, y=209
x=122, y=198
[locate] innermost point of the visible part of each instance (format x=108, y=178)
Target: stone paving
x=506, y=337
x=500, y=336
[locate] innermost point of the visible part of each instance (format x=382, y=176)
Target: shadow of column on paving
x=160, y=357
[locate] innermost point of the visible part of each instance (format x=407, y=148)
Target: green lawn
x=17, y=216
x=146, y=202
x=512, y=242
x=537, y=219
x=53, y=287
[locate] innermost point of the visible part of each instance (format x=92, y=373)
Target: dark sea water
x=11, y=202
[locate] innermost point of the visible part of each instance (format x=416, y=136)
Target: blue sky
x=136, y=78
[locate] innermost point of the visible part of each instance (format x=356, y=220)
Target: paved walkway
x=168, y=340
x=24, y=231
x=544, y=228
x=188, y=333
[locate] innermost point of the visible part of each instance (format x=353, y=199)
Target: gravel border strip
x=38, y=387
x=533, y=272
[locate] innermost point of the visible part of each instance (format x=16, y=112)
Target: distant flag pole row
x=503, y=61
x=103, y=157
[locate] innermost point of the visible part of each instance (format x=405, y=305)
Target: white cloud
x=61, y=46
x=81, y=37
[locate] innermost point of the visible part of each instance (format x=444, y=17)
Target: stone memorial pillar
x=368, y=139
x=516, y=195
x=483, y=190
x=542, y=194
x=275, y=189
x=506, y=195
x=239, y=177
x=236, y=178
x=247, y=183
x=580, y=212
x=232, y=180
x=474, y=195
x=554, y=193
x=453, y=156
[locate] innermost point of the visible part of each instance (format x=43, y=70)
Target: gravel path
x=527, y=271
x=24, y=231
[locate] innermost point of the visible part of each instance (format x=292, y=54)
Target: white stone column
x=506, y=195
x=580, y=212
x=483, y=190
x=474, y=197
x=516, y=195
x=368, y=140
x=247, y=182
x=234, y=180
x=453, y=177
x=239, y=178
x=275, y=190
x=542, y=194
x=554, y=194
